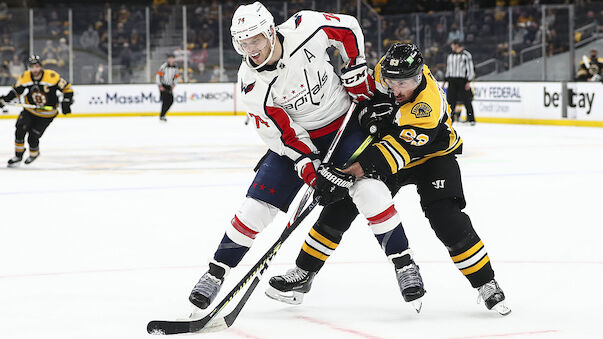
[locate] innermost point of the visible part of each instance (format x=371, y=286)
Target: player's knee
x=451, y=225
x=336, y=218
x=374, y=201
x=251, y=218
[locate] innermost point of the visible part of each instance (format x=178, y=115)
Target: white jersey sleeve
x=342, y=31
x=276, y=128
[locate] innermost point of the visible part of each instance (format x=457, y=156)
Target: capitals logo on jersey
x=247, y=88
x=297, y=20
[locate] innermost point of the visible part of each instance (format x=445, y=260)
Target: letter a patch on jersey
x=247, y=88
x=309, y=55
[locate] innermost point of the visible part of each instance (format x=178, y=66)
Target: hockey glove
x=66, y=105
x=375, y=118
x=2, y=102
x=332, y=184
x=358, y=82
x=305, y=168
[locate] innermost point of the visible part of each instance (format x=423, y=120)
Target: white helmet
x=251, y=20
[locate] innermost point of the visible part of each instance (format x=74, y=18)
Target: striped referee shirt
x=167, y=75
x=460, y=65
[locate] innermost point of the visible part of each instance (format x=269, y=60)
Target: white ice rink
x=112, y=226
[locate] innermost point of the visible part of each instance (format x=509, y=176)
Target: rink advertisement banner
x=144, y=99
x=518, y=100
x=585, y=101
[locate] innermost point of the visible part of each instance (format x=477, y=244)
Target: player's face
x=35, y=69
x=402, y=88
x=257, y=48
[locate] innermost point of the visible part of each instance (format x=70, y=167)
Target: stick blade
x=161, y=327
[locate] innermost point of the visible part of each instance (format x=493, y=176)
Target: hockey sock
x=320, y=243
x=472, y=260
x=394, y=242
x=229, y=252
x=453, y=227
x=19, y=148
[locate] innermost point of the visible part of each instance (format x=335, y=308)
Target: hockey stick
x=176, y=327
x=45, y=108
x=227, y=321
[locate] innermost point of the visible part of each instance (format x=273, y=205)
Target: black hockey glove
x=3, y=101
x=66, y=105
x=375, y=118
x=332, y=184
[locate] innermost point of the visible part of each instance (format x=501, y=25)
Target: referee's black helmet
x=402, y=61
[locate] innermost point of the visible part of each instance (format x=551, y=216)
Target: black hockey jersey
x=422, y=129
x=42, y=92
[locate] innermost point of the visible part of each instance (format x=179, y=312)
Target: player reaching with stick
x=417, y=145
x=40, y=107
x=297, y=102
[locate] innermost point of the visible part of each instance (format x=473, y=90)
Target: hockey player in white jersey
x=296, y=103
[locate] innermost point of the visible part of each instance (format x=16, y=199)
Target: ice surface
x=114, y=223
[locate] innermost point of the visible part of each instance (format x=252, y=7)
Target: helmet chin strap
x=272, y=44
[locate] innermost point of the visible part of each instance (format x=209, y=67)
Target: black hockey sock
x=319, y=245
x=229, y=252
x=394, y=241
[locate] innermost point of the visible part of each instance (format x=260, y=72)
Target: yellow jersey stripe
x=476, y=267
x=314, y=252
x=388, y=157
x=398, y=148
x=317, y=236
x=468, y=252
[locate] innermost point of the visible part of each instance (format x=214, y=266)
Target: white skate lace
x=295, y=274
x=207, y=286
x=408, y=276
x=487, y=290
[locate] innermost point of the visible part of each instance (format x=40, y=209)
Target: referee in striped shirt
x=166, y=80
x=459, y=74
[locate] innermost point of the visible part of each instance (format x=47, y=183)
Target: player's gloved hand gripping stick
x=206, y=323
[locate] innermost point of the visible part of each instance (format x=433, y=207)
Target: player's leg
x=273, y=188
x=442, y=199
x=22, y=125
x=320, y=243
x=374, y=200
x=36, y=131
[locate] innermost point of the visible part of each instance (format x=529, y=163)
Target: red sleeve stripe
x=383, y=216
x=288, y=135
x=239, y=226
x=345, y=36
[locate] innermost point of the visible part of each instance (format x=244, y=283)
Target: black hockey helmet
x=34, y=59
x=402, y=61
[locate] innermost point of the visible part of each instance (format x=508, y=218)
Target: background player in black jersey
x=40, y=107
x=417, y=145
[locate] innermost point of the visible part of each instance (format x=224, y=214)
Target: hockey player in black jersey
x=416, y=144
x=40, y=107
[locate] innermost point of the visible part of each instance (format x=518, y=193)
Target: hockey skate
x=411, y=285
x=14, y=161
x=493, y=297
x=163, y=119
x=205, y=291
x=291, y=286
x=31, y=159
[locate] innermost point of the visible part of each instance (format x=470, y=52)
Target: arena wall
x=495, y=102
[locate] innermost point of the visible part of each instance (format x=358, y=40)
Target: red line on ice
x=508, y=334
x=337, y=328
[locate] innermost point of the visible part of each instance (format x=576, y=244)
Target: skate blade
x=417, y=304
x=15, y=165
x=502, y=308
x=295, y=298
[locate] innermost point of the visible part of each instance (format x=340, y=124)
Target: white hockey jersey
x=301, y=97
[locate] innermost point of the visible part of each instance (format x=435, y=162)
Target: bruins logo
x=421, y=110
x=39, y=98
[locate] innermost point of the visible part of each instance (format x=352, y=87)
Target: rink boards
x=550, y=103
